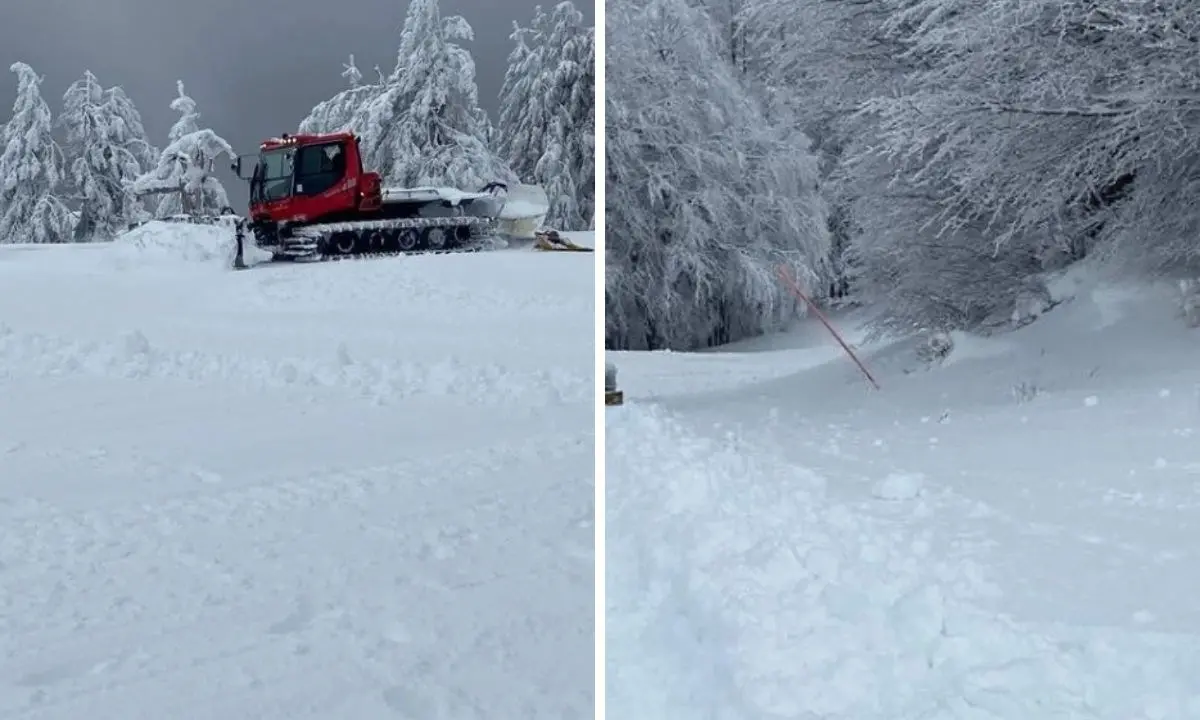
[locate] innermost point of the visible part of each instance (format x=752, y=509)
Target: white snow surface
x=785, y=542
x=339, y=490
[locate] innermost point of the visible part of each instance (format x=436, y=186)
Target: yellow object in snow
x=553, y=241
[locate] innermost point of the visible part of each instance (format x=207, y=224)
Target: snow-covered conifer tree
x=338, y=112
x=31, y=164
x=129, y=132
x=567, y=166
x=128, y=127
x=547, y=112
x=351, y=72
x=103, y=156
x=186, y=164
x=522, y=122
x=426, y=127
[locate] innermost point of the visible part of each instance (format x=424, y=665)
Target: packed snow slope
x=337, y=490
x=1010, y=534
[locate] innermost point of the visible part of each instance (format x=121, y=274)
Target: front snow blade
x=552, y=241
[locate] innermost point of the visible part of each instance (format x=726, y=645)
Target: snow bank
x=737, y=588
x=899, y=486
x=179, y=243
x=967, y=346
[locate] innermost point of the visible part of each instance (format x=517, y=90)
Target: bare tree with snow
x=967, y=149
x=31, y=169
x=1024, y=135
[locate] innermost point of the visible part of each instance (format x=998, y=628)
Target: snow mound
x=158, y=242
x=899, y=486
x=738, y=588
x=968, y=346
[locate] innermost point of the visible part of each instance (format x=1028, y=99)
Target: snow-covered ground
x=1012, y=534
x=341, y=490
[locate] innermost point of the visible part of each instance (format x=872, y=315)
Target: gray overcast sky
x=254, y=67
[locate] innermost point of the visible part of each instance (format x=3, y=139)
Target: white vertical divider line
x=599, y=340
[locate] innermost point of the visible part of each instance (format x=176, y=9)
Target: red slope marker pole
x=790, y=281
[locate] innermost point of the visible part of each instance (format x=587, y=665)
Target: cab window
x=319, y=168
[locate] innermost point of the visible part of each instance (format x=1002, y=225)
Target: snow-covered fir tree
x=567, y=166
x=547, y=112
x=31, y=166
x=426, y=126
x=105, y=151
x=131, y=134
x=338, y=112
x=183, y=172
x=522, y=123
x=128, y=127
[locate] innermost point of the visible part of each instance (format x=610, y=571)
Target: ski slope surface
x=1011, y=533
x=358, y=489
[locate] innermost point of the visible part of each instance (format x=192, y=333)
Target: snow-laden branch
x=705, y=198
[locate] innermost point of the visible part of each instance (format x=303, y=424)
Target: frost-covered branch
x=1046, y=131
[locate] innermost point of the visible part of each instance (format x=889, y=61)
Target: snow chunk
x=899, y=486
x=136, y=344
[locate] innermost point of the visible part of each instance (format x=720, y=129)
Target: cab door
x=323, y=186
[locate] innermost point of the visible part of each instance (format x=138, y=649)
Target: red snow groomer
x=311, y=198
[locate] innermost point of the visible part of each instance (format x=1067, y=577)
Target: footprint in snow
x=296, y=620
